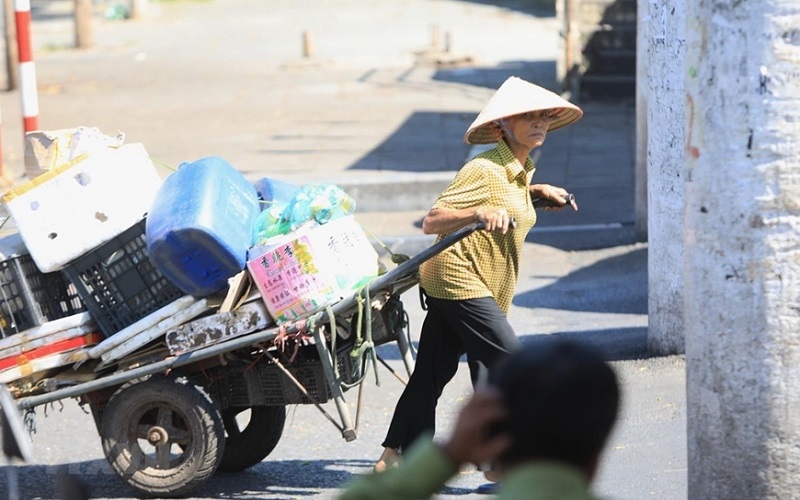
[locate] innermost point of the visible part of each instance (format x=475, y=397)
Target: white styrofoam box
x=48, y=149
x=82, y=204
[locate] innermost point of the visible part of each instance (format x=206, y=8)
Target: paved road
x=366, y=111
x=605, y=292
x=313, y=462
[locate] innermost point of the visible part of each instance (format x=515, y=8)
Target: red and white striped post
x=27, y=71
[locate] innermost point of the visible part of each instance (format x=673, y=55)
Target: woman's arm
x=447, y=220
x=549, y=192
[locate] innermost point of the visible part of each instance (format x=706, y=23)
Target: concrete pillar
x=666, y=51
x=742, y=258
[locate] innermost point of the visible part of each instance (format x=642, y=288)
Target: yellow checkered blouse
x=484, y=264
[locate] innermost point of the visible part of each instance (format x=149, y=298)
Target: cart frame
x=393, y=283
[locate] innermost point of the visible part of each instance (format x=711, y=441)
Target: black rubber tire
x=185, y=419
x=249, y=445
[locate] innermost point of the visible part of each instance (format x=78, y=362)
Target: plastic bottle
x=299, y=210
x=269, y=223
x=320, y=202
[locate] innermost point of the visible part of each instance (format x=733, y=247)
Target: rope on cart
x=161, y=163
x=397, y=258
x=363, y=345
x=299, y=334
x=367, y=346
x=403, y=325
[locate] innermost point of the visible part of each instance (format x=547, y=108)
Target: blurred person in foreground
x=542, y=422
x=469, y=286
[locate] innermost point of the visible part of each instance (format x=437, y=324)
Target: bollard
x=308, y=45
x=27, y=70
x=138, y=8
x=435, y=37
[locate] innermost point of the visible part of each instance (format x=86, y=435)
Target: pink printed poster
x=312, y=268
x=289, y=282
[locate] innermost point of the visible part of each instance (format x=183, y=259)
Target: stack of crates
x=85, y=219
x=118, y=283
x=80, y=205
x=29, y=297
x=81, y=226
x=40, y=314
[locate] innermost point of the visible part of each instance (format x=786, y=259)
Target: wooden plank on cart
x=249, y=317
x=65, y=352
x=145, y=337
x=238, y=292
x=66, y=328
x=54, y=337
x=143, y=324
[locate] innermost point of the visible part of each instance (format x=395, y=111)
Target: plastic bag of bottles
x=319, y=202
x=269, y=224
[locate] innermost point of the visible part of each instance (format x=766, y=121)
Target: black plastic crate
x=266, y=384
x=118, y=283
x=29, y=297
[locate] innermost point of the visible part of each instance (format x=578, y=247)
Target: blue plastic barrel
x=199, y=227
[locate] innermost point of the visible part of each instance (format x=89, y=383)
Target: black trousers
x=477, y=327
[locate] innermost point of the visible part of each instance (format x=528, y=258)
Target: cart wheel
x=163, y=436
x=250, y=440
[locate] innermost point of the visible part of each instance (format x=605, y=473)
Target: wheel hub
x=157, y=435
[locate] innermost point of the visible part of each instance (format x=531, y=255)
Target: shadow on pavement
x=542, y=73
x=276, y=479
x=570, y=239
x=616, y=285
x=538, y=8
x=426, y=142
x=74, y=481
x=616, y=344
x=430, y=141
x=48, y=10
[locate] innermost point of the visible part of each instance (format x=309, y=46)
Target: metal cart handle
x=411, y=265
x=403, y=270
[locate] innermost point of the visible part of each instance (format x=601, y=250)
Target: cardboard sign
x=317, y=265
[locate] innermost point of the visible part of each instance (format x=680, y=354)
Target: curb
x=397, y=194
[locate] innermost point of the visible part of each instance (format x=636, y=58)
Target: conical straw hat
x=517, y=96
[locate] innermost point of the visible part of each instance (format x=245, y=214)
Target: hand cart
x=168, y=422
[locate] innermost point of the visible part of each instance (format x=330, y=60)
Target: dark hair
x=562, y=400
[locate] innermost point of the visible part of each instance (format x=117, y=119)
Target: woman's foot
x=492, y=475
x=389, y=458
x=490, y=488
